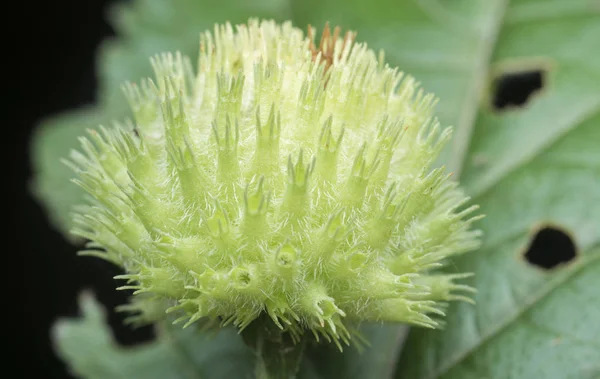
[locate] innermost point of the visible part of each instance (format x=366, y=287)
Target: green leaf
x=528, y=166
x=527, y=322
x=88, y=347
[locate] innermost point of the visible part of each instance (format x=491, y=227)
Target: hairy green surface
x=283, y=179
x=526, y=166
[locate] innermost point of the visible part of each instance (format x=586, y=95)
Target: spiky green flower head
x=285, y=180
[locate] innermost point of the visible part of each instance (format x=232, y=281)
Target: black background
x=48, y=60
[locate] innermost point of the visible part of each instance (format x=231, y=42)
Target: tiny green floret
x=284, y=180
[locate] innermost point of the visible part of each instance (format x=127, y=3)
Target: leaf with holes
x=534, y=167
x=528, y=166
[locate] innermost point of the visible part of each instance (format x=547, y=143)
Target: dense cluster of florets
x=284, y=179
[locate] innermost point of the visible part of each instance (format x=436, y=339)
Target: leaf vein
x=470, y=103
x=477, y=192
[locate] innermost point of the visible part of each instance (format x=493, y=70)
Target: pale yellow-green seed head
x=283, y=179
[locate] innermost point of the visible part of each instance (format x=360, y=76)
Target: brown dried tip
x=327, y=44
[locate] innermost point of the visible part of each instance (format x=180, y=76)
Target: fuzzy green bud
x=283, y=179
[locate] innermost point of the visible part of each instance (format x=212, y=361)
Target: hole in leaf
x=550, y=247
x=516, y=88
